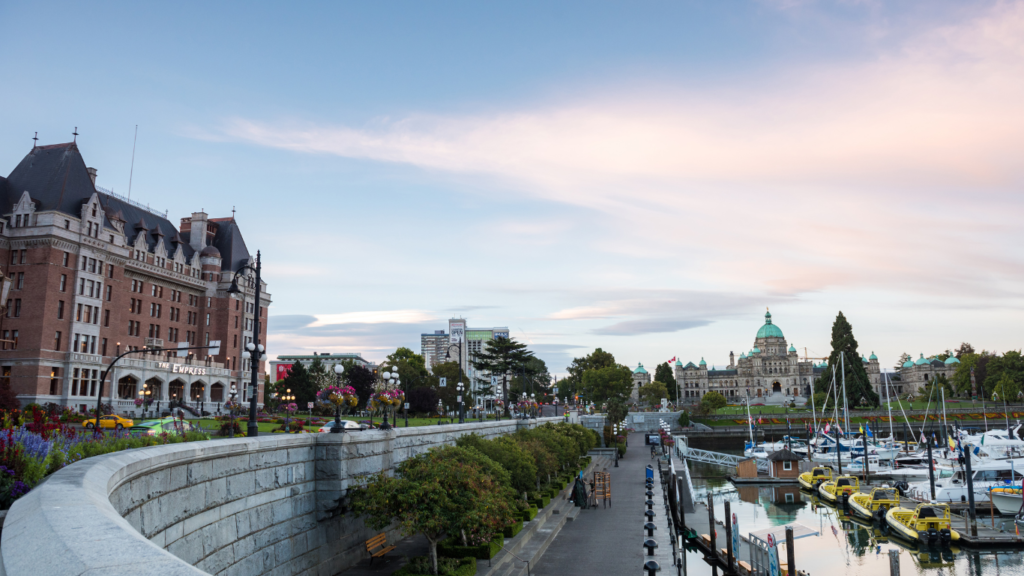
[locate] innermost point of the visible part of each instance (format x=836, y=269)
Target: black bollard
x=651, y=567
x=790, y=553
x=650, y=544
x=650, y=514
x=650, y=527
x=729, y=552
x=650, y=504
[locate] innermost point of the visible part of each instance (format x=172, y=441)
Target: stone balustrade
x=267, y=505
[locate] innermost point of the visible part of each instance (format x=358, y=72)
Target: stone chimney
x=197, y=232
x=92, y=175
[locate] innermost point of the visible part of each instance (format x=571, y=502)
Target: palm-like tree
x=502, y=356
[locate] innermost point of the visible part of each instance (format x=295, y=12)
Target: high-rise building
x=434, y=347
x=93, y=274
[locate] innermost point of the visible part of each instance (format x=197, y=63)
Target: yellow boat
x=927, y=524
x=875, y=504
x=833, y=490
x=810, y=480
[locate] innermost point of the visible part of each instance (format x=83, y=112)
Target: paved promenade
x=610, y=540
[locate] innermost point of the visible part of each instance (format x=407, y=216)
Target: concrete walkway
x=610, y=540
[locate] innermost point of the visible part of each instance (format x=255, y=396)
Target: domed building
x=915, y=374
x=640, y=378
x=771, y=371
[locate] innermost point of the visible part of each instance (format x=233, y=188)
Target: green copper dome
x=702, y=362
x=640, y=369
x=792, y=348
x=679, y=362
x=922, y=361
x=872, y=357
x=769, y=330
x=909, y=363
x=756, y=350
x=952, y=360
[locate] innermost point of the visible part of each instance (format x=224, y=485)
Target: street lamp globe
x=339, y=369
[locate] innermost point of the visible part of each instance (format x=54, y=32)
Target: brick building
x=93, y=274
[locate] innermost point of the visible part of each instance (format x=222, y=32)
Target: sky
x=644, y=177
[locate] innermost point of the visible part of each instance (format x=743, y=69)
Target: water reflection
x=844, y=545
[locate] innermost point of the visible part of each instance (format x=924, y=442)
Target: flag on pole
x=952, y=444
x=923, y=439
x=861, y=428
x=828, y=427
x=868, y=430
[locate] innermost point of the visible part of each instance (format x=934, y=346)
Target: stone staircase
x=537, y=534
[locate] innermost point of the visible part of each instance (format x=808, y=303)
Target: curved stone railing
x=236, y=506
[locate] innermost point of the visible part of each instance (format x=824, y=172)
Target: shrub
x=684, y=419
x=451, y=548
x=512, y=529
x=529, y=514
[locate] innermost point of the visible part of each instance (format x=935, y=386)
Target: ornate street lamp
x=462, y=415
x=339, y=369
x=253, y=349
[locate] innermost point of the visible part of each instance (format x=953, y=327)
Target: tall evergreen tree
x=858, y=385
x=663, y=374
x=502, y=356
x=300, y=383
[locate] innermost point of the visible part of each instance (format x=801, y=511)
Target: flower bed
x=32, y=449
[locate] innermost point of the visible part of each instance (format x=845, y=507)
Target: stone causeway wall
x=265, y=505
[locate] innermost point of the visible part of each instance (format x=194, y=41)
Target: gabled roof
x=55, y=177
x=783, y=455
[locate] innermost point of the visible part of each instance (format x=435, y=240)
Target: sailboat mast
x=889, y=406
x=846, y=407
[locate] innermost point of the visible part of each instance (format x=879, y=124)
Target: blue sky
x=643, y=177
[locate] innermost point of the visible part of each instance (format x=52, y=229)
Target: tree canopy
x=857, y=383
x=360, y=378
x=450, y=372
x=603, y=384
x=573, y=383
x=412, y=369
x=712, y=401
x=653, y=393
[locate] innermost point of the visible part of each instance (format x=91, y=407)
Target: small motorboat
x=875, y=504
x=834, y=491
x=1006, y=499
x=810, y=480
x=928, y=524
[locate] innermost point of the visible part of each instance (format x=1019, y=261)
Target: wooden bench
x=706, y=539
x=379, y=541
x=744, y=566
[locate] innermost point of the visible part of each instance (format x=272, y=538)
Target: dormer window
x=93, y=210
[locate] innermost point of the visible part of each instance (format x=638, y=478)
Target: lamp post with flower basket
x=388, y=397
x=342, y=397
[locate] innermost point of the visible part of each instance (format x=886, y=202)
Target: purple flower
x=19, y=488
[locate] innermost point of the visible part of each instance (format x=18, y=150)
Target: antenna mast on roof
x=35, y=140
x=232, y=213
x=132, y=171
x=75, y=134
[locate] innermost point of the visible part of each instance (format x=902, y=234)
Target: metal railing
x=132, y=202
x=717, y=458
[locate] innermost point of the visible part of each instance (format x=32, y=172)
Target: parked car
x=346, y=424
x=154, y=427
x=112, y=421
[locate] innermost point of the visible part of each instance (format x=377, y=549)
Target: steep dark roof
x=56, y=179
x=783, y=455
x=722, y=372
x=229, y=241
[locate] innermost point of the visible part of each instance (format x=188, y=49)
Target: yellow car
x=113, y=421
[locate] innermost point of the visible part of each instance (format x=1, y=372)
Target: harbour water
x=843, y=545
